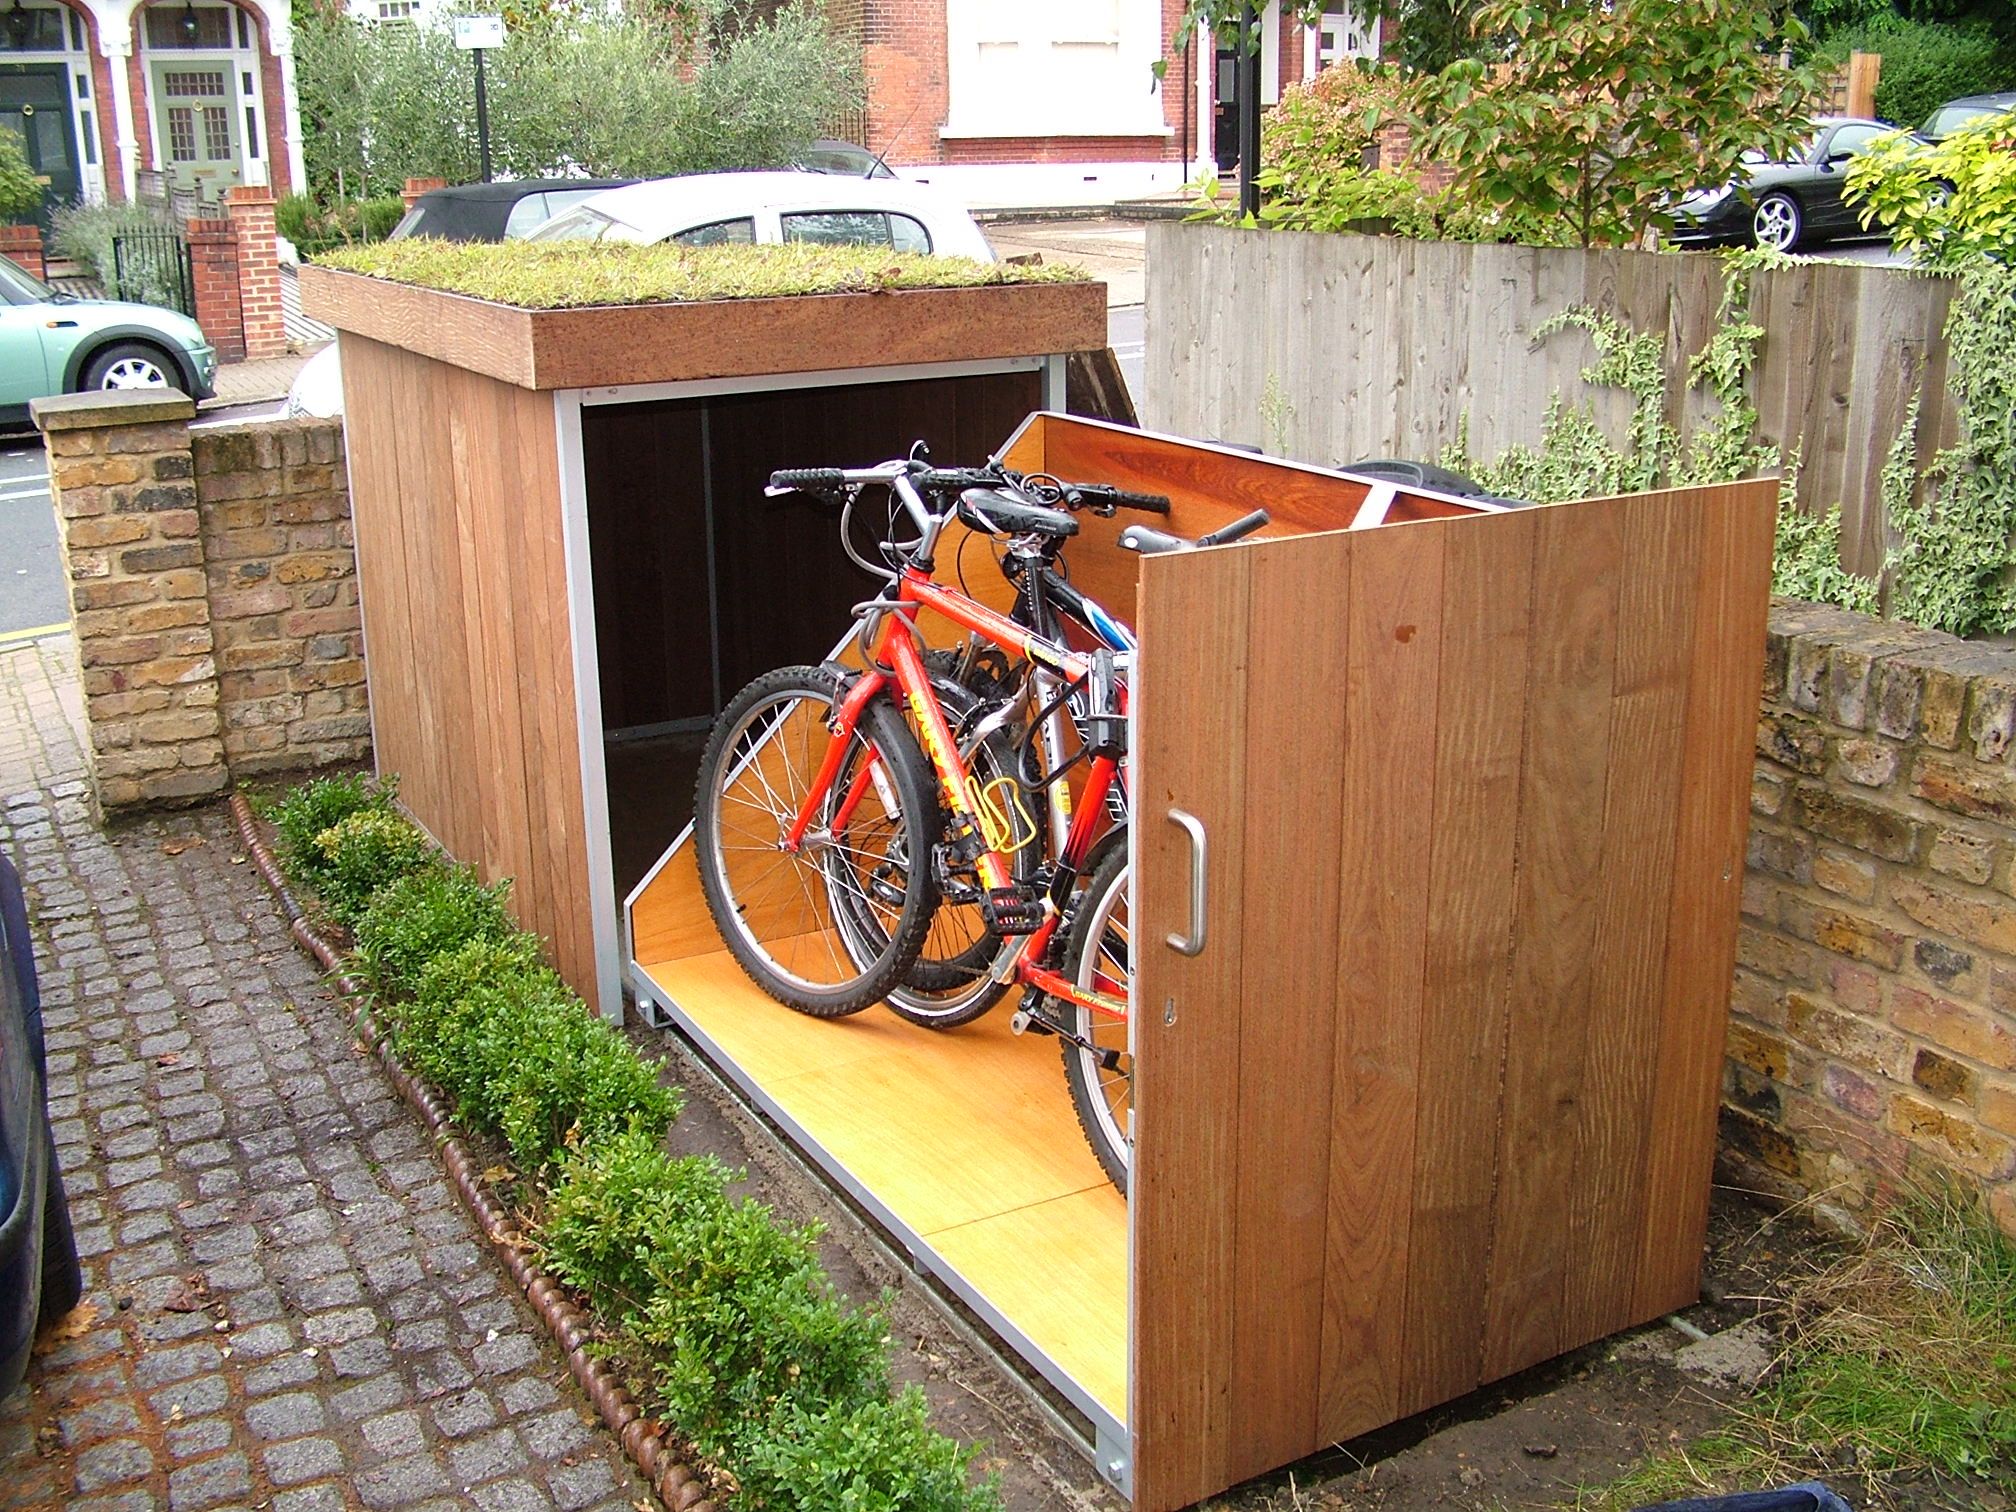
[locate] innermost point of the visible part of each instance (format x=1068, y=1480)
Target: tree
x=586, y=91
x=1949, y=205
x=1603, y=115
x=20, y=189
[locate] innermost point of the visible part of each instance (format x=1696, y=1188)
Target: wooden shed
x=1437, y=1100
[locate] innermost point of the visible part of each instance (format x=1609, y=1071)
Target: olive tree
x=631, y=93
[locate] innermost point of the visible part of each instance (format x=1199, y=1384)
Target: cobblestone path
x=285, y=1306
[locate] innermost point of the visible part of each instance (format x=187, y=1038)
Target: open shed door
x=1436, y=1099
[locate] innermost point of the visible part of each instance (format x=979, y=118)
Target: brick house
x=104, y=90
x=1040, y=100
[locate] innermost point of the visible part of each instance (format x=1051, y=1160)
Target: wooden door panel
x=1436, y=1100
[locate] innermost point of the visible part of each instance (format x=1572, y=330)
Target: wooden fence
x=1330, y=349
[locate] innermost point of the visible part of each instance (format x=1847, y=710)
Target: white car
x=707, y=209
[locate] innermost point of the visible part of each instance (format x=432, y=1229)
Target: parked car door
x=1826, y=211
x=24, y=372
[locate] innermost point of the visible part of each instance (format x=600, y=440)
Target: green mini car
x=54, y=343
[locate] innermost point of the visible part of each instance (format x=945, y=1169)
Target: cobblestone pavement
x=285, y=1306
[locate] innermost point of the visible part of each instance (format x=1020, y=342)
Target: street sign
x=475, y=32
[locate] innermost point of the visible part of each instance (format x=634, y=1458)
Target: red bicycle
x=839, y=809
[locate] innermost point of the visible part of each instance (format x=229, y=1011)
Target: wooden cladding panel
x=454, y=482
x=1478, y=1056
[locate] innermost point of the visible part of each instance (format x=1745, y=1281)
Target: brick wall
x=251, y=212
x=1874, y=1028
x=23, y=246
x=213, y=266
x=282, y=576
x=213, y=591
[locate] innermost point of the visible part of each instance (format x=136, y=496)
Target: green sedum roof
x=573, y=275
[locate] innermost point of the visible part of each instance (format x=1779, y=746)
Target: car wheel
x=1777, y=222
x=130, y=365
x=1939, y=194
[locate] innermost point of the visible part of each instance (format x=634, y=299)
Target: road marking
x=33, y=632
x=7, y=491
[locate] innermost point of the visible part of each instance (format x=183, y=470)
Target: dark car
x=496, y=212
x=1783, y=205
x=843, y=158
x=39, y=1274
x=1954, y=114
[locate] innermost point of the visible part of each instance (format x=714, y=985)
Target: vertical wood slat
x=1479, y=734
x=1391, y=695
x=1725, y=680
x=1397, y=344
x=1626, y=968
x=1292, y=832
x=471, y=655
x=1186, y=1035
x=1564, y=776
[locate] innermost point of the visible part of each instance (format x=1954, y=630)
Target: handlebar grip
x=952, y=479
x=808, y=478
x=1147, y=503
x=1245, y=525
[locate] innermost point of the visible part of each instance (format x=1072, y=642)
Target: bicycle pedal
x=1011, y=911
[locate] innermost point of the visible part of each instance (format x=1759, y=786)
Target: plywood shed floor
x=966, y=1136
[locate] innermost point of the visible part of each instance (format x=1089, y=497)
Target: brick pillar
x=417, y=187
x=213, y=257
x=121, y=476
x=23, y=244
x=251, y=211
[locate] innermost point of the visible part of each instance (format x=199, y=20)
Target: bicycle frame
x=891, y=625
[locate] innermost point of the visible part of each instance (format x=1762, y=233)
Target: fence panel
x=152, y=266
x=1329, y=349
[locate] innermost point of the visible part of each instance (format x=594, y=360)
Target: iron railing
x=152, y=266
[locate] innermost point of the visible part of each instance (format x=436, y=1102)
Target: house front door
x=199, y=135
x=35, y=103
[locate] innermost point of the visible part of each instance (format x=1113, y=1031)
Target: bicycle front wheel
x=782, y=911
x=1098, y=955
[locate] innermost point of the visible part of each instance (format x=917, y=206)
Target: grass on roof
x=572, y=275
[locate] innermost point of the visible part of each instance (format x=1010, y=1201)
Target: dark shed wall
x=782, y=585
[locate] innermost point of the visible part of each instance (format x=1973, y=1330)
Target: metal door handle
x=1200, y=856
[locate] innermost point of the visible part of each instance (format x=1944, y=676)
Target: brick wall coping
x=66, y=412
x=1897, y=680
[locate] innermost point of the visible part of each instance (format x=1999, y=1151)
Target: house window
x=182, y=134
x=1053, y=67
x=397, y=10
x=213, y=29
x=44, y=32
x=216, y=133
x=192, y=84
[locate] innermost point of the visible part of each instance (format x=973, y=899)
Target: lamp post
x=478, y=34
x=1248, y=96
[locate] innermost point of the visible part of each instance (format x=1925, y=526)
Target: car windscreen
x=1950, y=118
x=582, y=223
x=18, y=286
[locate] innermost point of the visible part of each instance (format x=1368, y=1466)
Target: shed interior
x=701, y=583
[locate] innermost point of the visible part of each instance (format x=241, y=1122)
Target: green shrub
x=365, y=851
x=20, y=190
x=1951, y=205
x=1926, y=63
x=85, y=233
x=417, y=918
x=520, y=1056
x=315, y=228
x=878, y=1455
x=301, y=814
x=605, y=1216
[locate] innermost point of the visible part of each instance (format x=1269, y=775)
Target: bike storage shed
x=1435, y=1101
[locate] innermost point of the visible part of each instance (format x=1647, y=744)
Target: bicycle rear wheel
x=1098, y=953
x=782, y=912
